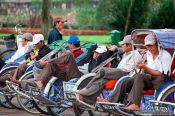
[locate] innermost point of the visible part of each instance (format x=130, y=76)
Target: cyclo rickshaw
x=8, y=99
x=26, y=99
x=166, y=40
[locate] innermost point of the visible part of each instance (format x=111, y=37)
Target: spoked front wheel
x=56, y=94
x=169, y=95
x=26, y=101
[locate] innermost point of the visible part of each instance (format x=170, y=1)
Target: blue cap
x=73, y=39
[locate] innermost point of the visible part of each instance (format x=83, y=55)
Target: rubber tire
x=78, y=111
x=33, y=103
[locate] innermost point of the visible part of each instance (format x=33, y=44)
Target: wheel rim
x=56, y=94
x=26, y=102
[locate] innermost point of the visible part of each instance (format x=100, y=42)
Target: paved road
x=15, y=112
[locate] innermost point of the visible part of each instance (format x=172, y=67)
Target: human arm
x=148, y=69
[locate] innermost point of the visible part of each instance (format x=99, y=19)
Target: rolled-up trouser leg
x=27, y=84
x=5, y=77
x=47, y=72
x=19, y=71
x=141, y=82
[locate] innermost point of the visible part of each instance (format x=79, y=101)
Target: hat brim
x=100, y=52
x=66, y=42
x=24, y=37
x=121, y=42
x=149, y=43
x=35, y=42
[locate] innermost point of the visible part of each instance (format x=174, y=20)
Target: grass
x=102, y=39
x=3, y=35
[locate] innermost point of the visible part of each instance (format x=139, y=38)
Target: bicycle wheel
x=168, y=95
x=25, y=99
x=7, y=54
x=56, y=94
x=77, y=110
x=8, y=101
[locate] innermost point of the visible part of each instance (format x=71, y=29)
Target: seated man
x=151, y=78
x=100, y=54
x=63, y=67
x=38, y=41
x=25, y=47
x=126, y=65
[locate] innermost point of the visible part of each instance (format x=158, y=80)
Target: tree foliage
x=119, y=14
x=162, y=16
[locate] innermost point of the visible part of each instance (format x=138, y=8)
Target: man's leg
x=141, y=82
x=71, y=65
x=19, y=71
x=54, y=69
x=119, y=93
x=46, y=74
x=104, y=75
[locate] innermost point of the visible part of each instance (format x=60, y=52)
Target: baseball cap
x=150, y=40
x=37, y=38
x=100, y=49
x=73, y=39
x=27, y=36
x=127, y=40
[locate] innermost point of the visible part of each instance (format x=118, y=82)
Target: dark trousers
x=95, y=86
x=135, y=87
x=64, y=67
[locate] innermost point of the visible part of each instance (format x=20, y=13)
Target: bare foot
x=6, y=88
x=133, y=107
x=101, y=99
x=39, y=84
x=15, y=81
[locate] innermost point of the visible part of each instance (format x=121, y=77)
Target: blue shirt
x=54, y=35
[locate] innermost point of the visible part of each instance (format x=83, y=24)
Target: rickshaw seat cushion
x=173, y=68
x=110, y=84
x=63, y=65
x=148, y=92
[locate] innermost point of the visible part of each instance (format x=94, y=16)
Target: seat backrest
x=173, y=69
x=83, y=55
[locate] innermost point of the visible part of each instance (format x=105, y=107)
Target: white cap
x=100, y=49
x=127, y=40
x=37, y=38
x=150, y=40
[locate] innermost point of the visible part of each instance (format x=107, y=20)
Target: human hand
x=32, y=55
x=140, y=65
x=43, y=62
x=112, y=47
x=96, y=55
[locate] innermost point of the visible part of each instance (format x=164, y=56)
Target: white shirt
x=129, y=61
x=20, y=52
x=162, y=63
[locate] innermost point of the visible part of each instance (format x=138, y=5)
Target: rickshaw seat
x=173, y=69
x=148, y=92
x=110, y=84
